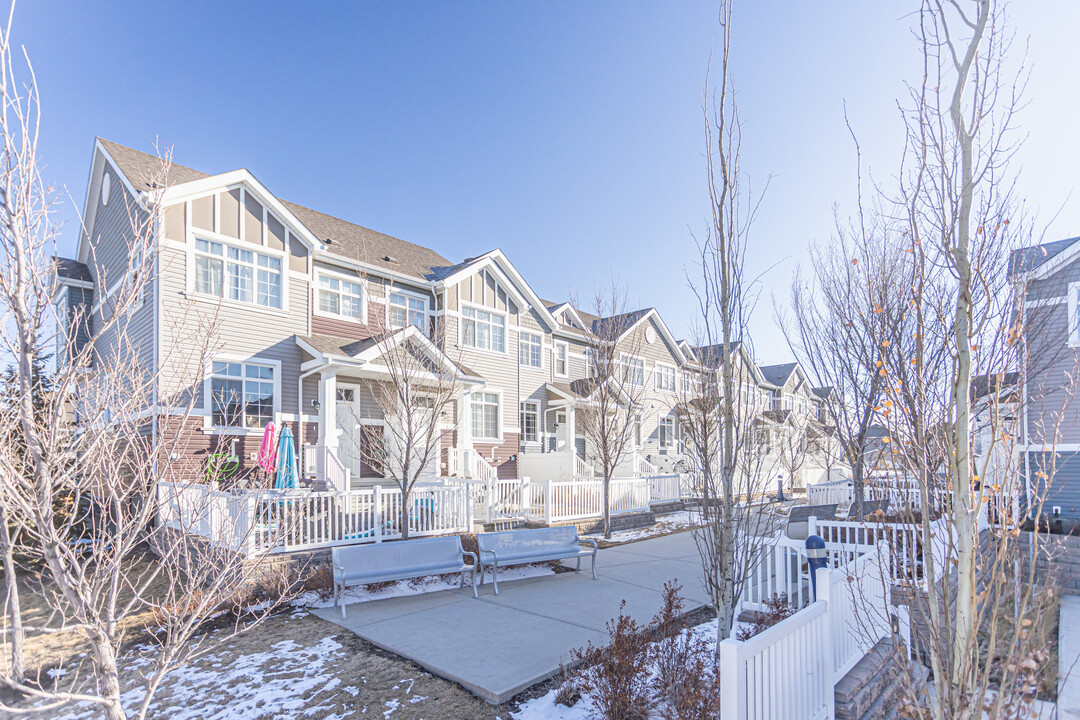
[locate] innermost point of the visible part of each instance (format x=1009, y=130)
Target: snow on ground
x=545, y=707
x=285, y=681
x=432, y=583
x=665, y=525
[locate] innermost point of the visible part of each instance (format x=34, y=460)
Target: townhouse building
x=298, y=301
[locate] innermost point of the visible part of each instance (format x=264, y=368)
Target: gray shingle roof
x=140, y=167
x=777, y=374
x=72, y=269
x=348, y=240
x=1026, y=259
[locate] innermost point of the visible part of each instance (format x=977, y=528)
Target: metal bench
x=870, y=507
x=798, y=524
x=518, y=547
x=383, y=562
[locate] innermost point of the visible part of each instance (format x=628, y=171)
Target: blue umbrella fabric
x=287, y=476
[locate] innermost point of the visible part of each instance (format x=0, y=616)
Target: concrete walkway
x=498, y=646
x=1068, y=702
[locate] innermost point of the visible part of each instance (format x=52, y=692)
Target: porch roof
x=331, y=347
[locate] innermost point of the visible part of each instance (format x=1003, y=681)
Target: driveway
x=497, y=646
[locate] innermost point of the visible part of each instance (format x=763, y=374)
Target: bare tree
x=610, y=416
x=93, y=445
x=415, y=391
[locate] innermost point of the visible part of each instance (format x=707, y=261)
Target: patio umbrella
x=268, y=448
x=287, y=476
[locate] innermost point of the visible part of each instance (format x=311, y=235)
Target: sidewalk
x=499, y=645
x=1068, y=702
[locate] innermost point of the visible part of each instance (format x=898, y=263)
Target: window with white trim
x=408, y=310
x=485, y=415
x=338, y=296
x=637, y=430
x=530, y=421
x=562, y=361
x=665, y=378
x=667, y=432
x=483, y=330
x=590, y=362
x=634, y=371
x=529, y=348
x=241, y=394
x=237, y=274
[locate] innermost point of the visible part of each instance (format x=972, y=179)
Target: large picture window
x=530, y=421
x=408, y=310
x=482, y=329
x=485, y=416
x=665, y=378
x=237, y=274
x=529, y=349
x=241, y=394
x=341, y=297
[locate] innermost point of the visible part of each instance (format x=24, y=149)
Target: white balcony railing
x=323, y=464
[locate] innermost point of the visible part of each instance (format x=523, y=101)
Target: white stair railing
x=323, y=464
x=643, y=466
x=582, y=468
x=476, y=467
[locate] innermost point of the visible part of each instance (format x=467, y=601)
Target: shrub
x=778, y=608
x=687, y=681
x=617, y=675
x=320, y=581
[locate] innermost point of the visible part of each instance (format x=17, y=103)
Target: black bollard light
x=816, y=557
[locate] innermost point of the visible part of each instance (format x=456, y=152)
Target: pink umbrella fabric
x=268, y=448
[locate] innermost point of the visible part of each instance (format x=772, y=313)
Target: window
x=482, y=329
x=341, y=297
x=237, y=274
x=485, y=415
x=529, y=349
x=590, y=362
x=530, y=420
x=241, y=394
x=345, y=395
x=408, y=310
x=637, y=431
x=634, y=371
x=667, y=432
x=665, y=378
x=561, y=350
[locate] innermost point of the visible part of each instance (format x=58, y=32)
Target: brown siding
x=502, y=452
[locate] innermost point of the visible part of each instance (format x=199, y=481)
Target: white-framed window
x=562, y=359
x=483, y=330
x=340, y=297
x=345, y=394
x=1073, y=330
x=529, y=349
x=634, y=371
x=637, y=430
x=665, y=378
x=407, y=309
x=241, y=394
x=666, y=432
x=590, y=362
x=530, y=421
x=237, y=274
x=484, y=409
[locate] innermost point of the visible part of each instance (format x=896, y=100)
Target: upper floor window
x=482, y=329
x=665, y=378
x=562, y=359
x=485, y=415
x=408, y=310
x=237, y=274
x=634, y=371
x=667, y=432
x=590, y=362
x=530, y=421
x=241, y=394
x=341, y=297
x=529, y=349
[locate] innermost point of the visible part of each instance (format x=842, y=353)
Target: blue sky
x=568, y=134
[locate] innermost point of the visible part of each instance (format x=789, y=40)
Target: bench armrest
x=475, y=561
x=588, y=540
x=339, y=571
x=492, y=553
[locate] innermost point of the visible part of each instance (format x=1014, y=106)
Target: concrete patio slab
x=502, y=644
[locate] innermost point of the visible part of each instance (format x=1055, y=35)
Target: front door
x=349, y=438
x=562, y=432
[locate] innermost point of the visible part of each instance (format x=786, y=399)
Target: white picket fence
x=665, y=488
x=495, y=498
x=790, y=671
x=838, y=492
x=256, y=521
x=582, y=498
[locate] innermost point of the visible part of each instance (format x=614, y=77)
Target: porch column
x=464, y=421
x=328, y=435
x=571, y=428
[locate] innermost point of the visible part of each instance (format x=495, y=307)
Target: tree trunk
x=13, y=607
x=406, y=492
x=607, y=505
x=108, y=678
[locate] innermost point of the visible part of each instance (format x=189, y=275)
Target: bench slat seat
x=518, y=547
x=403, y=560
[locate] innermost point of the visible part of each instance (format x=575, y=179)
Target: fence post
x=490, y=500
x=526, y=497
x=376, y=513
x=463, y=490
x=547, y=501
x=732, y=682
x=826, y=659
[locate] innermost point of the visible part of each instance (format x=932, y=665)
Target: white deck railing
x=643, y=466
x=839, y=492
x=322, y=463
x=475, y=467
x=582, y=468
x=665, y=488
x=784, y=672
x=581, y=499
x=495, y=498
x=251, y=521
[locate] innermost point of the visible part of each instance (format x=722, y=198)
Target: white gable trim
x=672, y=343
x=1059, y=261
x=515, y=284
x=82, y=252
